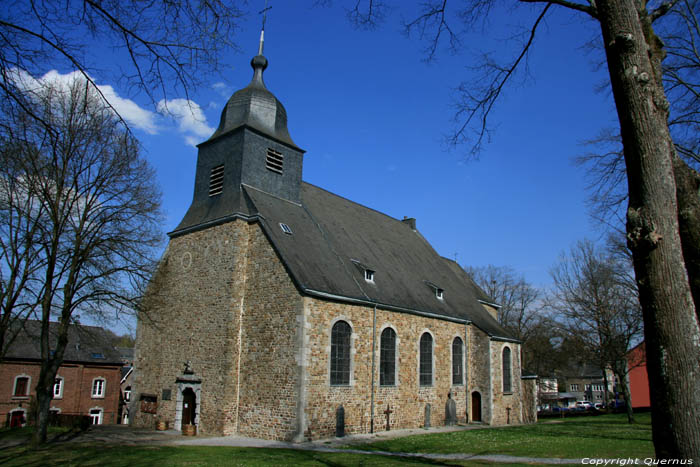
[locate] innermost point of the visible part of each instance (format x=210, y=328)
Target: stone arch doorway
x=476, y=406
x=189, y=406
x=189, y=399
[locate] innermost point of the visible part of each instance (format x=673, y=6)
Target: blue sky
x=371, y=116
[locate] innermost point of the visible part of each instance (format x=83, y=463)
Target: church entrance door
x=476, y=406
x=189, y=404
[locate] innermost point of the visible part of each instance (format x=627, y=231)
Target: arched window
x=457, y=358
x=426, y=359
x=387, y=358
x=507, y=379
x=340, y=353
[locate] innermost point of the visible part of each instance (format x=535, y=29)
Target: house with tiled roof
x=280, y=310
x=87, y=382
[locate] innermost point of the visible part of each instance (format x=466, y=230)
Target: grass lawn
x=112, y=456
x=602, y=436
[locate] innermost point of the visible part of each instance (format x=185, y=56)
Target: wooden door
x=476, y=406
x=189, y=405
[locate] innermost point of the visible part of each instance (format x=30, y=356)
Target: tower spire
x=262, y=31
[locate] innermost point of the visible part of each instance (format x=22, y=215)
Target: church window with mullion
x=340, y=354
x=457, y=365
x=387, y=358
x=426, y=360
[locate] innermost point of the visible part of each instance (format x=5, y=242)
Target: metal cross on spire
x=262, y=31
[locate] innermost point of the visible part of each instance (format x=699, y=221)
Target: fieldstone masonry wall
x=269, y=364
x=191, y=313
x=406, y=399
x=507, y=406
x=479, y=372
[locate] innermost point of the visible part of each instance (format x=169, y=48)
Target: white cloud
x=130, y=111
x=189, y=117
x=223, y=89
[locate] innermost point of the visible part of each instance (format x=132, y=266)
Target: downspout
x=374, y=343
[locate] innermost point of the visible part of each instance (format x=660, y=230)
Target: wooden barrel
x=189, y=430
x=161, y=426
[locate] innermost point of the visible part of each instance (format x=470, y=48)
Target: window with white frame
x=98, y=387
x=574, y=388
x=127, y=393
x=58, y=388
x=588, y=387
x=21, y=388
x=597, y=387
x=96, y=416
x=369, y=275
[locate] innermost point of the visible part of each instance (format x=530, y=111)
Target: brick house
x=87, y=383
x=280, y=310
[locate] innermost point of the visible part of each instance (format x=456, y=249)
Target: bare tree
x=518, y=299
x=633, y=54
x=93, y=208
x=595, y=302
x=521, y=314
x=166, y=47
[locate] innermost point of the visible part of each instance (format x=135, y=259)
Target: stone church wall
x=191, y=314
x=269, y=357
x=479, y=372
x=507, y=406
x=406, y=400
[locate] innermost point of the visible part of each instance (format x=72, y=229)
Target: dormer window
x=286, y=229
x=216, y=180
x=439, y=293
x=367, y=273
x=274, y=161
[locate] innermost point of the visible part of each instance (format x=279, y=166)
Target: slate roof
x=333, y=240
x=86, y=344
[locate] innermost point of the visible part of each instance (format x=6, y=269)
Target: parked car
x=598, y=406
x=583, y=405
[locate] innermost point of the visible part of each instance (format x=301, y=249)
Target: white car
x=584, y=405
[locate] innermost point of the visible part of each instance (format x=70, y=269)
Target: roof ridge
x=352, y=202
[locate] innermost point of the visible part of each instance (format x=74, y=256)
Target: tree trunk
x=621, y=377
x=671, y=328
x=688, y=195
x=44, y=396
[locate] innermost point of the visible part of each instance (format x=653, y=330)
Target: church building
x=280, y=310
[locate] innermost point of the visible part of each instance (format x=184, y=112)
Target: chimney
x=410, y=221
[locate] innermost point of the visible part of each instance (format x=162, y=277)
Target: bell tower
x=251, y=146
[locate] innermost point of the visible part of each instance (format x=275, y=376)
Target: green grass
x=603, y=436
x=113, y=456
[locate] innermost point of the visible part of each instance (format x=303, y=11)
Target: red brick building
x=639, y=379
x=87, y=383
